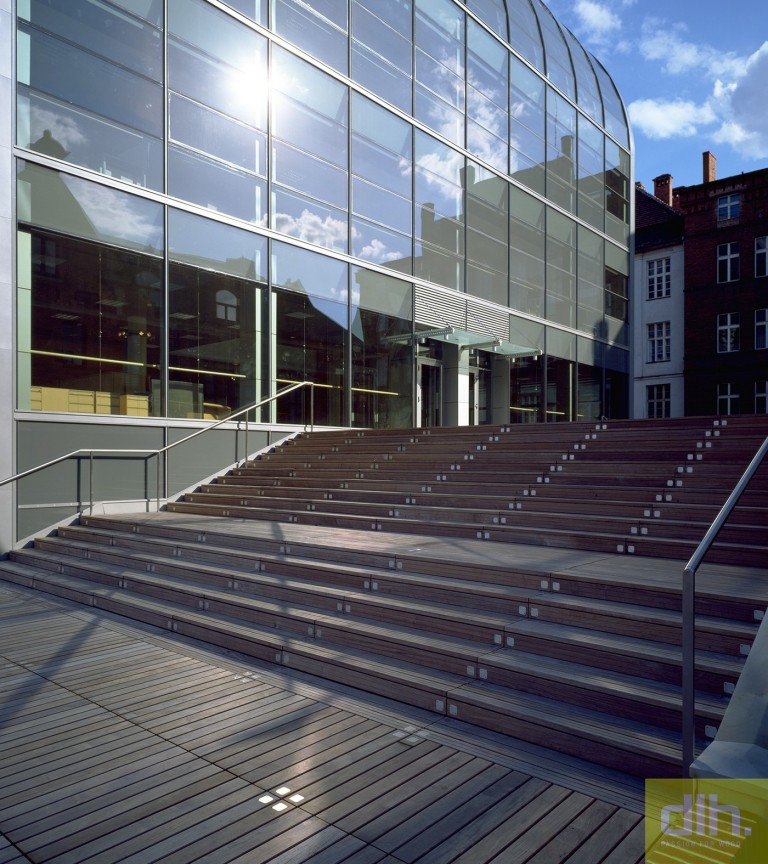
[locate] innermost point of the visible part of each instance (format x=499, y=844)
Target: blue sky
x=693, y=75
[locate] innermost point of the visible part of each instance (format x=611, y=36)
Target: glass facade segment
x=382, y=49
x=487, y=97
x=527, y=126
x=309, y=336
x=558, y=57
x=256, y=10
x=89, y=88
x=591, y=271
x=524, y=33
x=527, y=252
x=216, y=61
x=487, y=214
x=587, y=90
x=439, y=39
x=616, y=192
x=591, y=173
x=561, y=155
x=91, y=306
x=561, y=269
x=318, y=27
x=615, y=119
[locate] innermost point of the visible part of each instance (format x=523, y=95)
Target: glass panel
x=304, y=173
x=196, y=126
x=214, y=246
x=527, y=252
x=94, y=328
x=310, y=339
x=615, y=118
x=380, y=205
x=617, y=191
x=256, y=10
x=487, y=234
x=561, y=268
x=591, y=177
x=217, y=61
x=379, y=245
x=66, y=132
x=493, y=13
x=309, y=108
x=380, y=78
x=560, y=378
x=439, y=171
x=439, y=38
x=381, y=147
x=371, y=30
x=301, y=270
x=559, y=67
x=561, y=140
x=527, y=126
x=586, y=83
x=99, y=29
x=212, y=342
x=524, y=35
x=73, y=76
x=52, y=199
x=382, y=310
x=215, y=185
x=319, y=29
x=590, y=287
x=309, y=220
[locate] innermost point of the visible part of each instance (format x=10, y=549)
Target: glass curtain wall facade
x=216, y=199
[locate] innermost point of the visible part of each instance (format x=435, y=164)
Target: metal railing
x=689, y=609
x=161, y=451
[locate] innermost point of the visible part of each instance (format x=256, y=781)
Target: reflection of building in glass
x=422, y=209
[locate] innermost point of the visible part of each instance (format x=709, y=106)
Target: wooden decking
x=119, y=743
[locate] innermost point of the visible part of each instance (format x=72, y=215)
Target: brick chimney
x=710, y=167
x=662, y=188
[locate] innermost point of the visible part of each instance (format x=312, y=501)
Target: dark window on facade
x=728, y=207
x=728, y=262
x=728, y=339
x=761, y=329
x=658, y=398
x=761, y=256
x=659, y=342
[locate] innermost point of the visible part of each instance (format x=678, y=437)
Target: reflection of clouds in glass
x=327, y=231
x=377, y=252
x=62, y=129
x=437, y=166
x=117, y=215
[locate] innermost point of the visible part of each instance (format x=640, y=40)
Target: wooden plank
x=459, y=831
x=598, y=844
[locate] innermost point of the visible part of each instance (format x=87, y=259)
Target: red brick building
x=726, y=290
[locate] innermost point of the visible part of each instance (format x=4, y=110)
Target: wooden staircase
x=573, y=646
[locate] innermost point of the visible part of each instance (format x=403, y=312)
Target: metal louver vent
x=481, y=319
x=438, y=310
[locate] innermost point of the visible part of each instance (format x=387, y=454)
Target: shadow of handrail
x=689, y=604
x=149, y=453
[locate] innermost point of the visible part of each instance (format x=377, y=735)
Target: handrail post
x=90, y=484
x=312, y=406
x=689, y=668
x=157, y=484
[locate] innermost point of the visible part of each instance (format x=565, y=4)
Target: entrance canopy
x=480, y=341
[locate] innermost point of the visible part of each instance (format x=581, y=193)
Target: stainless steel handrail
x=689, y=609
x=149, y=453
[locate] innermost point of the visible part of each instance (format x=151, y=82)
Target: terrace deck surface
x=119, y=743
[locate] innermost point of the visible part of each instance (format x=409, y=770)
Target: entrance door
x=429, y=392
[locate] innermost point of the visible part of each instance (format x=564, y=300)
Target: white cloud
x=746, y=126
x=660, y=119
x=597, y=21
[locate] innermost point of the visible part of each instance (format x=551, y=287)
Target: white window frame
x=727, y=400
x=761, y=329
x=659, y=278
x=761, y=397
x=658, y=400
x=728, y=207
x=761, y=257
x=728, y=335
x=728, y=269
x=659, y=342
